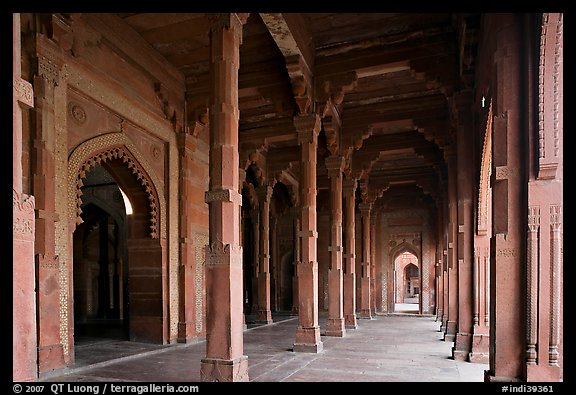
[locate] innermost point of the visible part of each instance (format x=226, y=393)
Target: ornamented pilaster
x=308, y=332
x=335, y=324
x=349, y=188
x=532, y=286
x=224, y=359
x=555, y=283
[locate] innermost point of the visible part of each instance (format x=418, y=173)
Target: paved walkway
x=387, y=348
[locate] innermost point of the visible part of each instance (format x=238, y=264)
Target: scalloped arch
x=106, y=147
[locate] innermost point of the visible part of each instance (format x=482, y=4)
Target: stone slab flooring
x=384, y=349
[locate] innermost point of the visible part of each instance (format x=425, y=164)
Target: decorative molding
x=107, y=147
x=223, y=195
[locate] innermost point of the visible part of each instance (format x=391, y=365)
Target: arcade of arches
x=176, y=176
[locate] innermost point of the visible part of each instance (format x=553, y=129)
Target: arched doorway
x=100, y=261
x=132, y=290
x=406, y=283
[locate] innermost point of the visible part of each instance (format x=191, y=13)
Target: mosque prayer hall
x=287, y=197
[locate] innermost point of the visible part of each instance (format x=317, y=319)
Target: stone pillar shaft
x=452, y=308
x=349, y=186
x=264, y=314
x=365, y=304
x=465, y=174
x=335, y=324
x=50, y=348
x=308, y=331
x=224, y=311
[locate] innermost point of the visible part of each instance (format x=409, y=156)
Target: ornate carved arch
x=110, y=146
x=485, y=173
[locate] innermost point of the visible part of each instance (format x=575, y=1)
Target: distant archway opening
x=406, y=283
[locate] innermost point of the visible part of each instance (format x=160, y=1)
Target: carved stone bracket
x=308, y=127
x=23, y=92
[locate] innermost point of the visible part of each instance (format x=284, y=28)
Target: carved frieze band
x=223, y=195
x=555, y=286
x=532, y=285
x=219, y=253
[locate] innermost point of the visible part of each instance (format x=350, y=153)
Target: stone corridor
x=390, y=348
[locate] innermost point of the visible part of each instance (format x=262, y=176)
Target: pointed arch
x=107, y=147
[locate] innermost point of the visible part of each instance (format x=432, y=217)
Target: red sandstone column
x=452, y=308
x=335, y=324
x=296, y=260
x=509, y=203
x=349, y=187
x=463, y=342
x=255, y=215
x=224, y=313
x=373, y=263
x=264, y=314
x=24, y=342
x=308, y=332
x=365, y=305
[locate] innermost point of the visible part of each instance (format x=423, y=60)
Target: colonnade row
x=499, y=237
x=499, y=255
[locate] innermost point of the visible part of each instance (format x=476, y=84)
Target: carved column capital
x=365, y=209
x=230, y=21
x=264, y=193
x=308, y=128
x=335, y=165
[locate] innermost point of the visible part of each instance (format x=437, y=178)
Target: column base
x=462, y=346
x=476, y=357
x=490, y=378
x=543, y=373
x=480, y=348
x=308, y=340
x=335, y=327
x=224, y=370
x=350, y=321
x=264, y=317
x=186, y=332
x=365, y=314
x=50, y=357
x=450, y=334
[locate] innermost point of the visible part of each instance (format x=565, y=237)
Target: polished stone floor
x=387, y=348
